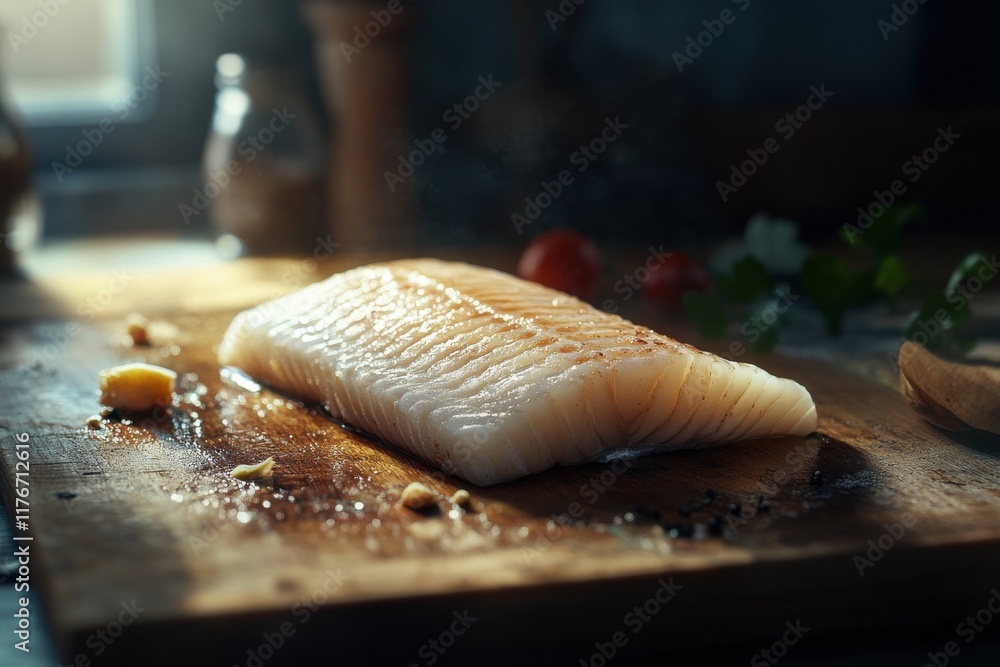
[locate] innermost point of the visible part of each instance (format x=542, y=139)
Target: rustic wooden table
x=142, y=543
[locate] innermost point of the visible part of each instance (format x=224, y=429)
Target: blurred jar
x=19, y=217
x=263, y=163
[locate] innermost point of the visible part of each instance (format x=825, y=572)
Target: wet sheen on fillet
x=491, y=377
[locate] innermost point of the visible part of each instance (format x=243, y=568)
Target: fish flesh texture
x=492, y=378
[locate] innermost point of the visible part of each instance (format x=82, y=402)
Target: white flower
x=774, y=242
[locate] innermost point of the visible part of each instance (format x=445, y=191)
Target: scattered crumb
x=461, y=498
x=137, y=387
x=247, y=472
x=138, y=329
x=94, y=422
x=417, y=496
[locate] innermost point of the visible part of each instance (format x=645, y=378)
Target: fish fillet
x=492, y=378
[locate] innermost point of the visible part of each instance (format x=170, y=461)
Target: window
x=69, y=61
x=117, y=99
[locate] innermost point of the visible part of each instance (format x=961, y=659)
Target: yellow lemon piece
x=137, y=387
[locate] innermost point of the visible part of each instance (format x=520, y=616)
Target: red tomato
x=564, y=260
x=672, y=277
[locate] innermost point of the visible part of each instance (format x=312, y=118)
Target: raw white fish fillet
x=492, y=378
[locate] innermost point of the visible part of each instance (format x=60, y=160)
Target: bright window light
x=66, y=61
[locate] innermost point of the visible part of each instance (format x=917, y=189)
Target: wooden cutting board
x=900, y=525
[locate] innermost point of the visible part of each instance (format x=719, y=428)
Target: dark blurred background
x=562, y=74
x=461, y=122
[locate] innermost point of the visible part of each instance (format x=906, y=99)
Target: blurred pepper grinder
x=363, y=52
x=19, y=219
x=263, y=163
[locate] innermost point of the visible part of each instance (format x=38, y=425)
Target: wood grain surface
x=900, y=525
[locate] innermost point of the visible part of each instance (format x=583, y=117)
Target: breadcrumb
x=94, y=422
x=461, y=497
x=417, y=496
x=138, y=329
x=257, y=471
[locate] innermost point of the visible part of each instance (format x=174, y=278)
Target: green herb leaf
x=885, y=236
x=708, y=313
x=767, y=340
x=834, y=288
x=941, y=318
x=749, y=280
x=890, y=276
x=928, y=320
x=882, y=234
x=965, y=269
x=821, y=274
x=963, y=341
x=852, y=235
